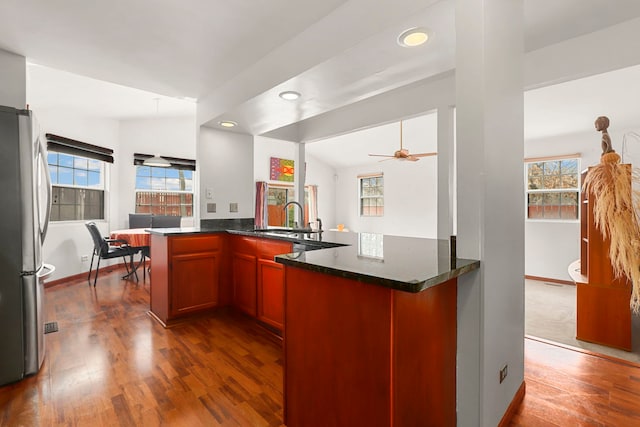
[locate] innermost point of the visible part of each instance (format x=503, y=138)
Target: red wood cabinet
x=258, y=280
x=198, y=272
x=270, y=309
x=603, y=315
x=358, y=354
x=243, y=273
x=185, y=275
x=244, y=282
x=195, y=282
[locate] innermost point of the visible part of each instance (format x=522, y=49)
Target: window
x=277, y=197
x=164, y=191
x=77, y=187
x=371, y=195
x=553, y=188
x=77, y=171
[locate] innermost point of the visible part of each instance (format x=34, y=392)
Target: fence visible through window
x=164, y=203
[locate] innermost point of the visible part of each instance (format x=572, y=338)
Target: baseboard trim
x=80, y=276
x=548, y=279
x=513, y=406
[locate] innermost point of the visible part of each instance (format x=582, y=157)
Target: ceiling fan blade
x=380, y=155
x=411, y=158
x=388, y=158
x=424, y=154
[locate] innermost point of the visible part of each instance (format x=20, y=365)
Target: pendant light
x=156, y=160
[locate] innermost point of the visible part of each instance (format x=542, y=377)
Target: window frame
x=362, y=197
x=79, y=191
x=544, y=191
x=164, y=193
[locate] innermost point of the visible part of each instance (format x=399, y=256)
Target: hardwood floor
x=571, y=388
x=111, y=364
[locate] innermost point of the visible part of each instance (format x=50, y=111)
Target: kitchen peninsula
x=369, y=321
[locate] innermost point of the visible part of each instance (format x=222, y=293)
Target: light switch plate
x=209, y=193
x=211, y=207
x=233, y=207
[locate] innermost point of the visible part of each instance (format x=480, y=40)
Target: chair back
x=100, y=246
x=139, y=220
x=165, y=221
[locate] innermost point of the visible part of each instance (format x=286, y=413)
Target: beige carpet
x=550, y=314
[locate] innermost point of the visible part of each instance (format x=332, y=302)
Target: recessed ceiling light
x=228, y=124
x=289, y=95
x=413, y=37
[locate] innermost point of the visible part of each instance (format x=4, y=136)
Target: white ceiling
x=419, y=135
x=235, y=56
x=572, y=107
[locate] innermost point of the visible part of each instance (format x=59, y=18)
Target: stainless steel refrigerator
x=24, y=215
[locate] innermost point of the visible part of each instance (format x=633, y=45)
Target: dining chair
x=103, y=249
x=165, y=221
x=137, y=220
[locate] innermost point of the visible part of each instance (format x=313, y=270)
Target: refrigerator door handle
x=43, y=168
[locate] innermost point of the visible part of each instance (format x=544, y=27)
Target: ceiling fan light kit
x=403, y=153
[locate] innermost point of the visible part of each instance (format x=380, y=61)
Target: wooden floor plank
x=112, y=364
x=566, y=387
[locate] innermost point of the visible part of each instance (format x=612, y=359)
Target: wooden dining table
x=137, y=238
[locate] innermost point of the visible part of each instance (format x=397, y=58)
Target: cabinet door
x=271, y=293
x=195, y=281
x=244, y=282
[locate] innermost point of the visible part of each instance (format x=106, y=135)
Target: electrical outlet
x=233, y=207
x=211, y=207
x=503, y=373
x=84, y=258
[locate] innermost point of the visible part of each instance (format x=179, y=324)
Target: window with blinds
x=77, y=171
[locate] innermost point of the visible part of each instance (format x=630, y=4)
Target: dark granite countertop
x=185, y=231
x=405, y=263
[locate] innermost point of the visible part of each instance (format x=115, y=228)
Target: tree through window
x=553, y=189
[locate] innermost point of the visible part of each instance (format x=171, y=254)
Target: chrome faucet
x=301, y=223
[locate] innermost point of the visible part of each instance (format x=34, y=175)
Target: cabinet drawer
x=267, y=248
x=195, y=244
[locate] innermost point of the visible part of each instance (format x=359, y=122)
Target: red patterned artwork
x=282, y=169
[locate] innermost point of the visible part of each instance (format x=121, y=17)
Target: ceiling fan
x=403, y=153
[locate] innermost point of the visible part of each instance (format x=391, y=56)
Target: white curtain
x=312, y=192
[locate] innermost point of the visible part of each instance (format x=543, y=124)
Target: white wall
x=226, y=160
x=264, y=149
x=67, y=241
x=13, y=79
x=172, y=137
x=410, y=199
x=410, y=188
x=324, y=176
